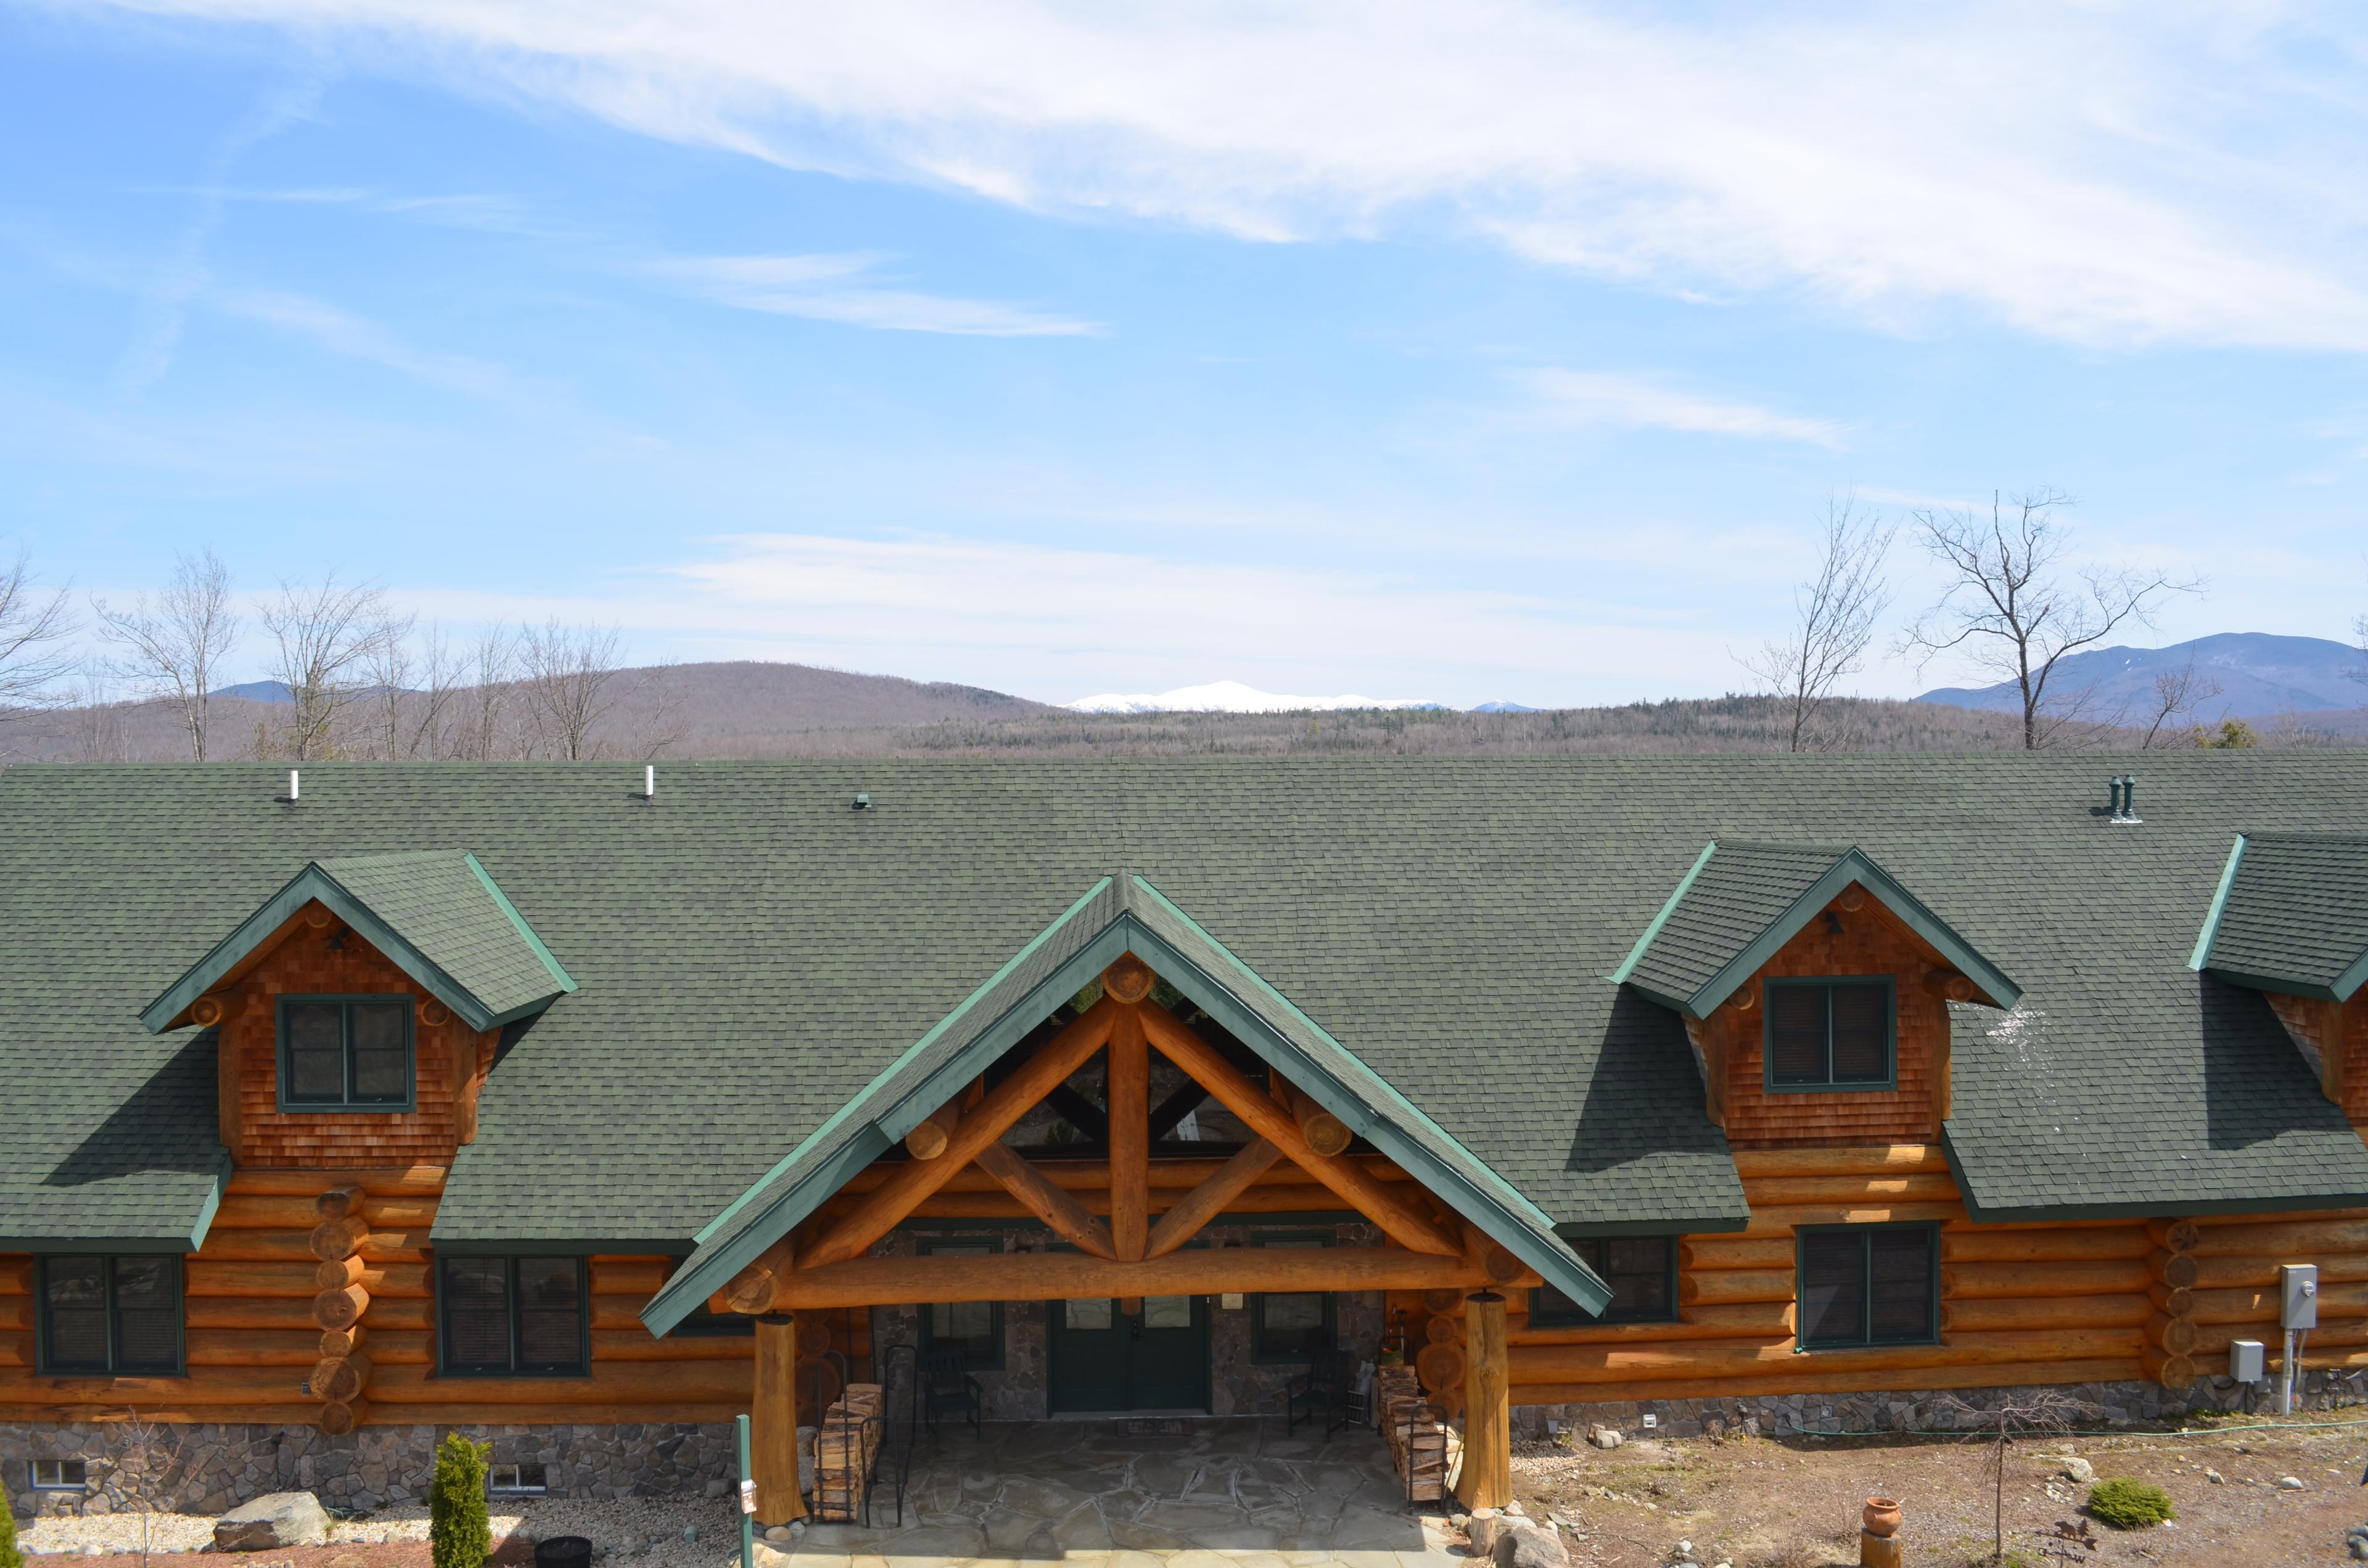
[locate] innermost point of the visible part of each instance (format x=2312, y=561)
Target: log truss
x=1133, y=1252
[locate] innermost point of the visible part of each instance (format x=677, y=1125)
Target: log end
x=340, y=1417
x=1128, y=981
x=926, y=1141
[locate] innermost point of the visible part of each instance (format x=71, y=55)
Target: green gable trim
x=755, y=1220
x=1851, y=866
x=526, y=932
x=1644, y=943
x=314, y=882
x=2201, y=959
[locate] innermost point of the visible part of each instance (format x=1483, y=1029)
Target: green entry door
x=1103, y=1358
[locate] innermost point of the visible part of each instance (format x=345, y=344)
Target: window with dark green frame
x=116, y=1315
x=1290, y=1327
x=974, y=1328
x=1831, y=1034
x=345, y=1053
x=1868, y=1284
x=512, y=1316
x=1641, y=1270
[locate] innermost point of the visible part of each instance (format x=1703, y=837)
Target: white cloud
x=1599, y=398
x=2109, y=172
x=844, y=289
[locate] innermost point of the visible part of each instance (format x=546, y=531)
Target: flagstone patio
x=1220, y=1493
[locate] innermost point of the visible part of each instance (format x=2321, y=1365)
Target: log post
x=1486, y=1479
x=1130, y=1133
x=773, y=1425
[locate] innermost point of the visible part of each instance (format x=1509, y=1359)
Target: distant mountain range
x=1232, y=696
x=2259, y=675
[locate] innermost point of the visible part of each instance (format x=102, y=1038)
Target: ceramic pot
x=1880, y=1516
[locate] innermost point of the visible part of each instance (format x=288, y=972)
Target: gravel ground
x=644, y=1532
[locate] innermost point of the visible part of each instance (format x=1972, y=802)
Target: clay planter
x=1880, y=1516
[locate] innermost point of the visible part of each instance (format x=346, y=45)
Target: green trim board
x=447, y=926
x=2288, y=915
x=2200, y=959
x=1753, y=898
x=1253, y=1011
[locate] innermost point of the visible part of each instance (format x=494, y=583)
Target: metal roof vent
x=862, y=803
x=293, y=793
x=649, y=781
x=2124, y=787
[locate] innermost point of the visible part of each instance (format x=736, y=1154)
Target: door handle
x=1134, y=1328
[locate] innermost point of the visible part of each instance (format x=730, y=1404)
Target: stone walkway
x=1211, y=1493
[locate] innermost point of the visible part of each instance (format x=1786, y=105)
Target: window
x=1868, y=1284
x=60, y=1475
x=516, y=1480
x=111, y=1315
x=1290, y=1327
x=345, y=1053
x=505, y=1315
x=974, y=1328
x=1641, y=1270
x=1830, y=1034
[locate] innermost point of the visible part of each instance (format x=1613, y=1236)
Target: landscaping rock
x=2290, y=1483
x=274, y=1520
x=2357, y=1542
x=1531, y=1546
x=2079, y=1470
x=1603, y=1437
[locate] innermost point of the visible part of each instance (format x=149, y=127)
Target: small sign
x=1231, y=1300
x=749, y=1497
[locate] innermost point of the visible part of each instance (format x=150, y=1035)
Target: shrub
x=2129, y=1504
x=10, y=1557
x=458, y=1528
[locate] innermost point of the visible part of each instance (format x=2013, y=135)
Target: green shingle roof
x=1741, y=902
x=753, y=954
x=2291, y=915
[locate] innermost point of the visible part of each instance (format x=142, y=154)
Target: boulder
x=269, y=1523
x=1603, y=1437
x=1527, y=1545
x=2077, y=1470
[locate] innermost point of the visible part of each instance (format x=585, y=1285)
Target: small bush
x=2127, y=1505
x=458, y=1528
x=10, y=1557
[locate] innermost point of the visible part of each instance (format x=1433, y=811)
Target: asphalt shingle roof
x=2294, y=918
x=752, y=953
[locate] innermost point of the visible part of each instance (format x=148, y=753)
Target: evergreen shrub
x=460, y=1531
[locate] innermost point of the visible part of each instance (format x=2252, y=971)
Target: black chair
x=946, y=1386
x=1329, y=1386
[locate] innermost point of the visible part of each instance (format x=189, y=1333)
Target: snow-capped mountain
x=1229, y=697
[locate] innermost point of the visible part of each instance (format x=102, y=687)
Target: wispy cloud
x=2104, y=173
x=341, y=332
x=848, y=289
x=1605, y=399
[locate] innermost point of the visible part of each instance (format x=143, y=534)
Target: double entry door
x=1103, y=1357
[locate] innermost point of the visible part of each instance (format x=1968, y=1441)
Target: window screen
x=1829, y=1034
x=1868, y=1284
x=345, y=1053
x=512, y=1316
x=118, y=1315
x=1641, y=1270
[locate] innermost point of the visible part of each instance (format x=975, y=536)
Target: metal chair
x=945, y=1385
x=1329, y=1385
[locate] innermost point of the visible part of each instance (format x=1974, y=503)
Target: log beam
x=1399, y=1219
x=1326, y=1133
x=1065, y=1216
x=753, y=1288
x=1486, y=1479
x=894, y=1198
x=1047, y=1276
x=928, y=1141
x=1186, y=1218
x=1128, y=1099
x=773, y=1425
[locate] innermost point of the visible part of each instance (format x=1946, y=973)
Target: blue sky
x=1492, y=350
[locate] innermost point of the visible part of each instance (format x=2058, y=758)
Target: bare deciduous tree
x=36, y=629
x=565, y=672
x=2034, y=1413
x=2010, y=608
x=97, y=718
x=1835, y=616
x=327, y=638
x=2174, y=695
x=487, y=671
x=174, y=649
x=659, y=723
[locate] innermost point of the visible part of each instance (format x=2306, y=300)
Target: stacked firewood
x=845, y=1447
x=342, y=1371
x=1422, y=1445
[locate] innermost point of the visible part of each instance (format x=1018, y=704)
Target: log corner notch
x=2171, y=1336
x=342, y=1374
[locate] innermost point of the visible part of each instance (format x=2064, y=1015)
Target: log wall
x=256, y=1339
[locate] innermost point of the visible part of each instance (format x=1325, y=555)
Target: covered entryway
x=1126, y=980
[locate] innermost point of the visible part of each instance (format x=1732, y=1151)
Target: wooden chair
x=1329, y=1385
x=946, y=1386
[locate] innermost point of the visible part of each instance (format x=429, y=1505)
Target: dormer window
x=340, y=1053
x=1832, y=1034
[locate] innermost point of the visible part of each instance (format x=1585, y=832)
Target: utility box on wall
x=2298, y=1295
x=2246, y=1361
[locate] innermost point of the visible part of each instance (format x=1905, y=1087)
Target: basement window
x=61, y=1475
x=1831, y=1034
x=1868, y=1284
x=1641, y=1270
x=345, y=1053
x=517, y=1481
x=111, y=1316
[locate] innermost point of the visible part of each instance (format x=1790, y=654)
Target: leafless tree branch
x=1835, y=613
x=565, y=674
x=36, y=629
x=175, y=648
x=2174, y=695
x=326, y=639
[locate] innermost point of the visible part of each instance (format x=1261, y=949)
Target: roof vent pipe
x=649, y=781
x=2124, y=787
x=292, y=793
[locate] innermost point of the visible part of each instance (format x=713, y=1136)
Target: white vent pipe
x=292, y=785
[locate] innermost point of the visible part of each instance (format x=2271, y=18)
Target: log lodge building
x=537, y=1101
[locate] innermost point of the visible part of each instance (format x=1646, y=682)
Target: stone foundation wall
x=209, y=1469
x=1912, y=1410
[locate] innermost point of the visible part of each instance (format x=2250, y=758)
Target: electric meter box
x=2298, y=1295
x=2247, y=1364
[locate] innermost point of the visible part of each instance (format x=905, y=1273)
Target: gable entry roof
x=1118, y=915
x=1742, y=901
x=2290, y=915
x=435, y=914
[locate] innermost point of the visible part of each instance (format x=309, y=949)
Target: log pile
x=845, y=1447
x=1422, y=1445
x=343, y=1372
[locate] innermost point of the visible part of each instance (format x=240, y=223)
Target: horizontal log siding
x=252, y=1341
